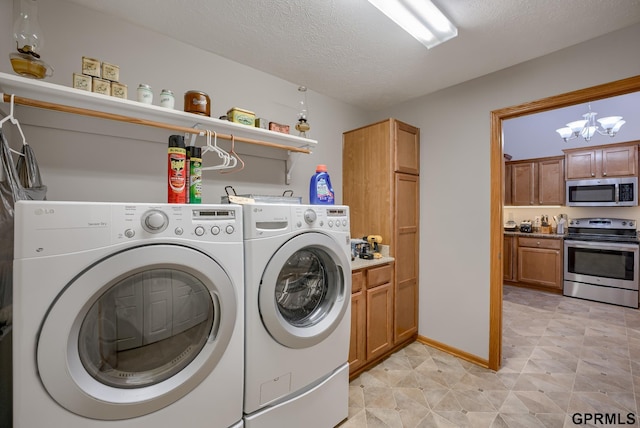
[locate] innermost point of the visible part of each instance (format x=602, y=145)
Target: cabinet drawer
x=379, y=275
x=553, y=244
x=357, y=279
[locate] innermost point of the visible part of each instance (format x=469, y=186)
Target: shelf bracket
x=290, y=162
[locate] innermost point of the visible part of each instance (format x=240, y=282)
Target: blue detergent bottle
x=320, y=190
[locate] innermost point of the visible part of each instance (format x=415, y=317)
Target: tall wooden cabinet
x=380, y=174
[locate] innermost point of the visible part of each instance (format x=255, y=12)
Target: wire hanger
x=235, y=156
x=228, y=161
x=13, y=120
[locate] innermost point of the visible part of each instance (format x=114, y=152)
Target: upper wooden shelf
x=52, y=97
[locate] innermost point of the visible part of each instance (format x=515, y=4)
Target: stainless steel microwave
x=603, y=192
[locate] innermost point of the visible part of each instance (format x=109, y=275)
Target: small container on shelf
x=101, y=86
x=197, y=102
x=110, y=72
x=82, y=82
x=242, y=116
x=91, y=67
x=119, y=90
x=145, y=94
x=261, y=122
x=277, y=127
x=167, y=99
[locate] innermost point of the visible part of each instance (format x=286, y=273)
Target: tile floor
x=562, y=358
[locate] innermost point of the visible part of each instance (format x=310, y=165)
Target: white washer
x=127, y=315
x=297, y=315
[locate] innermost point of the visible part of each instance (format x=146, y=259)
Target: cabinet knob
x=538, y=243
x=604, y=173
x=593, y=174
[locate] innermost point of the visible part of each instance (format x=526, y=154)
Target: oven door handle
x=604, y=245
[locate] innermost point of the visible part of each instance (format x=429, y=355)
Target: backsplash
x=519, y=214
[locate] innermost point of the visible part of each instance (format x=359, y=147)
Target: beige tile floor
x=561, y=357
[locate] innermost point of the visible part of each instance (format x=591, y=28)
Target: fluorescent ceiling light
x=420, y=18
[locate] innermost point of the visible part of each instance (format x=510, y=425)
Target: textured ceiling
x=348, y=50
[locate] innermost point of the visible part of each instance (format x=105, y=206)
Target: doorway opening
x=619, y=87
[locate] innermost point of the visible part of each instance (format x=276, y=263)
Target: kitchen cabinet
x=357, y=350
x=539, y=262
x=380, y=177
x=508, y=172
x=371, y=317
x=536, y=181
x=614, y=160
x=509, y=257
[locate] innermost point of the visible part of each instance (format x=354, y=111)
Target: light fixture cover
x=420, y=18
x=588, y=127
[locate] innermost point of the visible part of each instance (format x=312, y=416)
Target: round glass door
x=136, y=331
x=146, y=328
x=303, y=290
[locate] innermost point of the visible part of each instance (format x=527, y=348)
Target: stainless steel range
x=601, y=261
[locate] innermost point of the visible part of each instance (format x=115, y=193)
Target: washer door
x=304, y=289
x=136, y=331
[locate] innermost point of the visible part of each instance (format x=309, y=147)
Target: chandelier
x=587, y=127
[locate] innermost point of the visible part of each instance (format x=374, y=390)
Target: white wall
x=455, y=176
x=81, y=166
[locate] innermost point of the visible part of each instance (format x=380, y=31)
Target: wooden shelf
x=50, y=100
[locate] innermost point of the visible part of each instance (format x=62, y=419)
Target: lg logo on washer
x=41, y=211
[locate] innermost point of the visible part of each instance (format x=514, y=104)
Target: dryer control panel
x=330, y=217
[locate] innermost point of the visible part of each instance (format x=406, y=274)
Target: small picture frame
x=82, y=82
x=91, y=67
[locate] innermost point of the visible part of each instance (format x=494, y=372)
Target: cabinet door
x=540, y=266
x=406, y=253
x=551, y=188
x=523, y=183
x=619, y=161
x=357, y=356
x=581, y=164
x=379, y=320
x=407, y=148
x=508, y=258
x=367, y=178
x=507, y=184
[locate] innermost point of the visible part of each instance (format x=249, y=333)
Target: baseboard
x=454, y=351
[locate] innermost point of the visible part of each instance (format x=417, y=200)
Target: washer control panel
x=219, y=223
x=331, y=217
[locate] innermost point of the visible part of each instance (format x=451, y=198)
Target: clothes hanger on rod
x=227, y=160
x=11, y=118
x=235, y=156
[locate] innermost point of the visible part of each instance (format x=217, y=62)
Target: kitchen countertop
x=535, y=234
x=358, y=263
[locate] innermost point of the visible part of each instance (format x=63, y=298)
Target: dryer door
x=305, y=288
x=136, y=331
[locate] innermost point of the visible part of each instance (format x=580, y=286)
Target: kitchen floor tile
x=560, y=356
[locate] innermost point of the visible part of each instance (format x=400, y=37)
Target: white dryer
x=297, y=315
x=127, y=315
